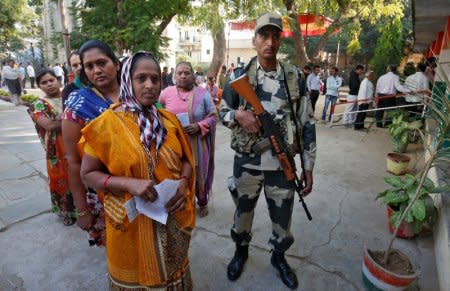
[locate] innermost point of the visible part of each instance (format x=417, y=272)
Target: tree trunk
x=65, y=31
x=120, y=43
x=301, y=58
x=339, y=22
x=218, y=52
x=165, y=22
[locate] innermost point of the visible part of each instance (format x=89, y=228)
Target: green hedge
x=4, y=93
x=29, y=98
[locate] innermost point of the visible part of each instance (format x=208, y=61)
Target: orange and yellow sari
x=143, y=254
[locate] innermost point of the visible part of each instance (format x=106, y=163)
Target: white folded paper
x=156, y=210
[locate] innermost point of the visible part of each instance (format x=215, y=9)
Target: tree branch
x=165, y=22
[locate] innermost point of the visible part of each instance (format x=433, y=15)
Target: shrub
x=29, y=98
x=4, y=93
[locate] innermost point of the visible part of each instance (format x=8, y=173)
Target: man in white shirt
x=313, y=85
x=387, y=87
x=353, y=84
x=365, y=97
x=334, y=82
x=417, y=82
x=31, y=74
x=59, y=73
x=12, y=80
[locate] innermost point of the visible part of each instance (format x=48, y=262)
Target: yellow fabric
x=133, y=250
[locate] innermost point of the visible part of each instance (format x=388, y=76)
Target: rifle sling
x=294, y=117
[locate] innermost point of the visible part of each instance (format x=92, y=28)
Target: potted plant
x=390, y=269
x=399, y=130
x=397, y=198
x=397, y=164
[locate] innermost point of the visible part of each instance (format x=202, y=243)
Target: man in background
x=222, y=77
x=353, y=84
x=31, y=74
x=386, y=91
x=12, y=79
x=200, y=77
x=365, y=96
x=59, y=73
x=313, y=85
x=334, y=82
x=23, y=76
x=417, y=82
x=164, y=74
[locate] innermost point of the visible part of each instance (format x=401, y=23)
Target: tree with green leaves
x=17, y=21
x=389, y=46
x=347, y=17
x=212, y=15
x=128, y=24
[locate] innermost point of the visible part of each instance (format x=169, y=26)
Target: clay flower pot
x=397, y=164
x=405, y=230
x=376, y=277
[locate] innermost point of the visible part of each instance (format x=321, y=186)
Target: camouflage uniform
x=252, y=171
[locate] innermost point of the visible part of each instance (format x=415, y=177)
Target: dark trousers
x=314, y=96
x=32, y=82
x=388, y=102
x=14, y=86
x=361, y=116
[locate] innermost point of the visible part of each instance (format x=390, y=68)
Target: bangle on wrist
x=105, y=183
x=184, y=177
x=82, y=213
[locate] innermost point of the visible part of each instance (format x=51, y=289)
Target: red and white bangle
x=105, y=183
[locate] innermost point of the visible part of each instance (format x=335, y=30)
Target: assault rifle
x=272, y=132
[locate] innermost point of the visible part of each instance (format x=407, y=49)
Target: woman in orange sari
x=128, y=150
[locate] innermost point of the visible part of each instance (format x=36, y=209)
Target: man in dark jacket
x=353, y=83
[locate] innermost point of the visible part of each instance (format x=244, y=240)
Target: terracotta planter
x=376, y=277
x=405, y=231
x=397, y=164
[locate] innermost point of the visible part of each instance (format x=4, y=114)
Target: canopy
x=310, y=24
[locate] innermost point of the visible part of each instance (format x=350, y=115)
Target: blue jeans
x=329, y=99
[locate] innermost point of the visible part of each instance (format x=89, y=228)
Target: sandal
x=203, y=211
x=68, y=221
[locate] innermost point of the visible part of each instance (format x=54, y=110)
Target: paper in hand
x=156, y=210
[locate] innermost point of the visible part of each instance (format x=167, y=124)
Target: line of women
x=111, y=144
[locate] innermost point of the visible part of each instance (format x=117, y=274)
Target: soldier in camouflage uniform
x=255, y=164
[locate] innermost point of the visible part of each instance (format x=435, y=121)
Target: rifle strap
x=294, y=118
x=291, y=80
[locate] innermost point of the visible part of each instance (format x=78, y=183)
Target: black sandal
x=68, y=221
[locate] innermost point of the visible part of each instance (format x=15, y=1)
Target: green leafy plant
x=399, y=195
x=4, y=93
x=437, y=153
x=400, y=129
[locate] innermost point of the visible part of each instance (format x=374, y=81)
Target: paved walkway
x=39, y=253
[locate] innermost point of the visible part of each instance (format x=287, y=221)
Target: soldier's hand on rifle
x=247, y=120
x=309, y=183
x=192, y=128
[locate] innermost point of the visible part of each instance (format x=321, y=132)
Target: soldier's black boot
x=287, y=275
x=236, y=266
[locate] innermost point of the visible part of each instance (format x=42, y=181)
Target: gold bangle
x=82, y=213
